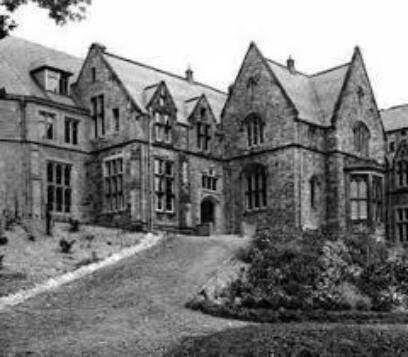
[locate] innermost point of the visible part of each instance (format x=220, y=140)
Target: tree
x=61, y=11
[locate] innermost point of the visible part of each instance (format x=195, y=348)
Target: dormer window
x=57, y=82
x=50, y=76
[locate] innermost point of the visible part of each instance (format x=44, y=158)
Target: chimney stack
x=290, y=63
x=189, y=75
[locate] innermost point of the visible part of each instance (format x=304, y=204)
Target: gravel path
x=132, y=309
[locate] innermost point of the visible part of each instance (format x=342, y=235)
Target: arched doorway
x=207, y=211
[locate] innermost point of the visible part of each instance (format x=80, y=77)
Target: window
x=93, y=74
x=361, y=139
x=401, y=224
x=98, y=115
x=203, y=135
x=209, y=181
x=52, y=81
x=71, y=131
x=57, y=82
x=63, y=84
x=255, y=191
x=255, y=130
x=162, y=126
x=314, y=186
x=164, y=185
x=113, y=177
x=377, y=198
x=59, y=187
x=359, y=197
x=116, y=119
x=392, y=146
x=49, y=125
x=401, y=173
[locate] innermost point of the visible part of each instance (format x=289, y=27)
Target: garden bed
x=28, y=262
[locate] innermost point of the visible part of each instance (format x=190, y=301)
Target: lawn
x=28, y=262
x=299, y=340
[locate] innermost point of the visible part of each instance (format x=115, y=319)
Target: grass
x=39, y=260
x=298, y=340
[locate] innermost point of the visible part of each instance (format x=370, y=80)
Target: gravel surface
x=135, y=308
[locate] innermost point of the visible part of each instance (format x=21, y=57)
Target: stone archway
x=207, y=211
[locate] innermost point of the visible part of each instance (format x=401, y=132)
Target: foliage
x=1, y=261
x=66, y=246
x=309, y=271
x=3, y=240
x=74, y=225
x=61, y=11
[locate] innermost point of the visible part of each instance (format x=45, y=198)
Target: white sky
x=213, y=35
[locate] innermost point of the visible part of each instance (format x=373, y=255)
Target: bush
x=74, y=225
x=66, y=246
x=3, y=240
x=311, y=270
x=244, y=254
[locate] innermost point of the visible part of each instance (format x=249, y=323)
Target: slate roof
x=136, y=77
x=19, y=57
x=314, y=96
x=395, y=118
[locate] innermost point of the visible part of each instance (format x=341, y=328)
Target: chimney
x=98, y=47
x=189, y=75
x=290, y=63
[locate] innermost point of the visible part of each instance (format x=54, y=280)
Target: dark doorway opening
x=207, y=211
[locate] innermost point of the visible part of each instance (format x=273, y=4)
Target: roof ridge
x=285, y=67
x=329, y=70
x=161, y=71
x=398, y=106
x=310, y=75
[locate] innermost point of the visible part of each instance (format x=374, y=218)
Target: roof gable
x=314, y=96
x=197, y=103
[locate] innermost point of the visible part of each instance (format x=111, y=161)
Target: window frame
x=255, y=127
x=48, y=118
x=255, y=188
x=164, y=185
x=401, y=224
x=98, y=115
x=59, y=186
x=361, y=137
x=113, y=168
x=71, y=131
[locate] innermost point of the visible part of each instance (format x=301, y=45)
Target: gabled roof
x=136, y=77
x=314, y=96
x=19, y=57
x=395, y=118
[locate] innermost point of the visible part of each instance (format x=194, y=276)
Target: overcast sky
x=213, y=35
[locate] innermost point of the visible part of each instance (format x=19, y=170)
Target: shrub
x=3, y=240
x=74, y=225
x=244, y=254
x=66, y=246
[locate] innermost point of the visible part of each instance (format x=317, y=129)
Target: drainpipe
x=149, y=173
x=26, y=158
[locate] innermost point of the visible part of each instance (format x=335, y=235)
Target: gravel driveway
x=132, y=309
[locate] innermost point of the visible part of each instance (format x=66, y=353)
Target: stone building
x=396, y=125
x=109, y=140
